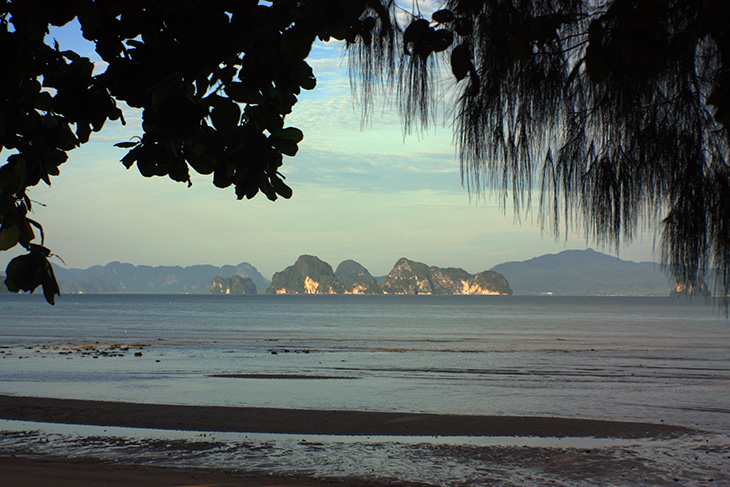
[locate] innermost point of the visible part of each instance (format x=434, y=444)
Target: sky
x=363, y=193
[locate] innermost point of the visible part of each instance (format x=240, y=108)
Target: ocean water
x=619, y=358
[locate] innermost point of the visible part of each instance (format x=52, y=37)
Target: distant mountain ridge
x=583, y=273
x=571, y=272
x=117, y=277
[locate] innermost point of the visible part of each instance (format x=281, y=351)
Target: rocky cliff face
x=308, y=275
x=489, y=282
x=410, y=277
x=232, y=285
x=356, y=278
x=691, y=289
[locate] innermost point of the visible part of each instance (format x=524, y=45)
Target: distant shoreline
x=39, y=295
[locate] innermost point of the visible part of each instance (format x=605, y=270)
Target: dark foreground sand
x=54, y=472
x=59, y=472
x=315, y=422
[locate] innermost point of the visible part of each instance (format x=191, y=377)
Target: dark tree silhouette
x=616, y=110
x=215, y=80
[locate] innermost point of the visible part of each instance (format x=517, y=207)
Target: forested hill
x=117, y=277
x=583, y=273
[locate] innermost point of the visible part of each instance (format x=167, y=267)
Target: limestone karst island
x=311, y=275
x=233, y=285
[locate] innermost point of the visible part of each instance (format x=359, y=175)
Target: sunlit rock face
x=308, y=275
x=310, y=286
x=410, y=277
x=364, y=288
x=490, y=282
x=232, y=285
x=699, y=288
x=356, y=278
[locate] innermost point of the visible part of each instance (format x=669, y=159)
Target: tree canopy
x=615, y=111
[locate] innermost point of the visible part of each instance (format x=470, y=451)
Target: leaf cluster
x=214, y=80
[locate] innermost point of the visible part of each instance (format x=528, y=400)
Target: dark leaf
x=178, y=171
x=238, y=92
x=201, y=86
x=417, y=34
x=26, y=231
x=44, y=101
x=441, y=39
x=223, y=175
x=116, y=114
x=281, y=188
x=50, y=286
x=464, y=26
x=520, y=44
x=600, y=61
x=126, y=145
x=200, y=163
x=289, y=133
x=131, y=157
x=443, y=16
x=83, y=131
x=351, y=35
x=286, y=147
x=252, y=191
x=9, y=235
x=268, y=190
x=22, y=274
x=71, y=55
x=461, y=63
x=146, y=165
x=225, y=116
x=285, y=140
x=27, y=272
x=305, y=76
x=368, y=23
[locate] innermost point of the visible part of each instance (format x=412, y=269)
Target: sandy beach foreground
x=315, y=422
x=20, y=469
x=62, y=472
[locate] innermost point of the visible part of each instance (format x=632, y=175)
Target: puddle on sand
x=449, y=461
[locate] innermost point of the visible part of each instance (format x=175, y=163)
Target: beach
x=315, y=422
x=24, y=470
x=63, y=472
x=388, y=391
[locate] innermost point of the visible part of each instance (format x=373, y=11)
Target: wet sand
x=29, y=470
x=315, y=422
x=62, y=472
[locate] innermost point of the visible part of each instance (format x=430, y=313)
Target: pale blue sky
x=368, y=195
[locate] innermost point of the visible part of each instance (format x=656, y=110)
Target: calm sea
x=620, y=358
